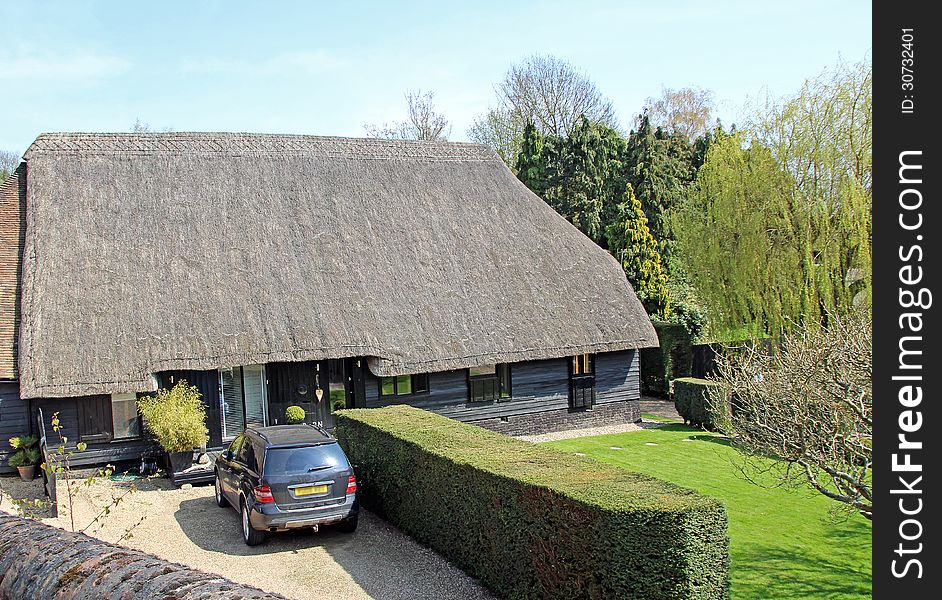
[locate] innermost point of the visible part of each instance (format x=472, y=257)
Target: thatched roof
x=152, y=252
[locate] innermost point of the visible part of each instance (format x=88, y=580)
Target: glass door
x=231, y=409
x=243, y=399
x=256, y=401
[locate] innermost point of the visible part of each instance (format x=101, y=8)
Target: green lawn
x=784, y=543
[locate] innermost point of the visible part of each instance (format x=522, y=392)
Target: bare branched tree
x=809, y=407
x=423, y=122
x=687, y=111
x=544, y=90
x=142, y=127
x=8, y=163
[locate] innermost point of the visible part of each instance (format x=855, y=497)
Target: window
x=503, y=380
x=403, y=385
x=105, y=418
x=582, y=381
x=235, y=446
x=247, y=456
x=242, y=399
x=94, y=413
x=420, y=383
x=125, y=421
x=488, y=383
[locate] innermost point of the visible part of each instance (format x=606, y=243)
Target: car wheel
x=250, y=535
x=221, y=501
x=348, y=525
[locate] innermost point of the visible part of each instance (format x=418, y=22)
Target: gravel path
x=575, y=433
x=649, y=406
x=660, y=408
x=185, y=526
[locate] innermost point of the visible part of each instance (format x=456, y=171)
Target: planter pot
x=180, y=461
x=27, y=472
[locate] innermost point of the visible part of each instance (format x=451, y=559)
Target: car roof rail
x=257, y=432
x=321, y=429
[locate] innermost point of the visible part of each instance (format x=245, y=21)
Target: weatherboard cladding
x=537, y=386
x=156, y=252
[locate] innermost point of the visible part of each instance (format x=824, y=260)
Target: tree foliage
x=546, y=91
x=140, y=126
x=660, y=168
x=686, y=112
x=532, y=164
x=8, y=163
x=423, y=121
x=631, y=241
x=578, y=175
x=777, y=225
x=810, y=406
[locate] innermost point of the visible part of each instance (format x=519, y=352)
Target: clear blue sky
x=330, y=67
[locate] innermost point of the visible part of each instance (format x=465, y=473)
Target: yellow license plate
x=310, y=490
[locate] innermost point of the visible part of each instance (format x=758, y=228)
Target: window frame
x=414, y=390
x=106, y=434
x=496, y=379
x=140, y=424
x=582, y=381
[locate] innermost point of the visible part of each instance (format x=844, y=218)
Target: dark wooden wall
x=14, y=419
x=617, y=377
x=97, y=453
x=537, y=386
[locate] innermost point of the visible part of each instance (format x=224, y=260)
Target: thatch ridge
x=152, y=252
x=237, y=144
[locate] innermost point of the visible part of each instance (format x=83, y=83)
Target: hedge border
x=530, y=521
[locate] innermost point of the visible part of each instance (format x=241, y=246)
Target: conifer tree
x=659, y=168
x=531, y=165
x=631, y=241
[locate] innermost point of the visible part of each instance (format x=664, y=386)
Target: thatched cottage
x=279, y=270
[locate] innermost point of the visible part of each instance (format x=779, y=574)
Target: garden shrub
x=531, y=521
x=694, y=399
x=295, y=414
x=672, y=359
x=176, y=417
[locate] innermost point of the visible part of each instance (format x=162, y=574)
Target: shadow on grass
x=792, y=574
x=713, y=439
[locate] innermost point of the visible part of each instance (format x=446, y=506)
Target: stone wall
x=613, y=413
x=39, y=562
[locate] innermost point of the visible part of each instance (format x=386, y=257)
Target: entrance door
x=297, y=384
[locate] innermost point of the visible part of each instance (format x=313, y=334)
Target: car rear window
x=291, y=461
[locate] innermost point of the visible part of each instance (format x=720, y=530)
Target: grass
x=784, y=542
x=658, y=418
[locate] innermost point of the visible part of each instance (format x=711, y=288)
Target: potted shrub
x=25, y=457
x=177, y=419
x=295, y=414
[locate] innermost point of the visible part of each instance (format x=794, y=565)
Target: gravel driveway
x=186, y=526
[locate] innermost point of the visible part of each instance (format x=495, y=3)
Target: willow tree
x=738, y=238
x=776, y=227
x=631, y=241
x=823, y=137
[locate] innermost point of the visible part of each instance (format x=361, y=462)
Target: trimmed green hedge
x=671, y=360
x=692, y=400
x=530, y=521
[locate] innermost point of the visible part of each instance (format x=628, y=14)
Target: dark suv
x=284, y=477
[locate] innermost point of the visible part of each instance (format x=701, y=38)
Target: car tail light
x=263, y=494
x=352, y=484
